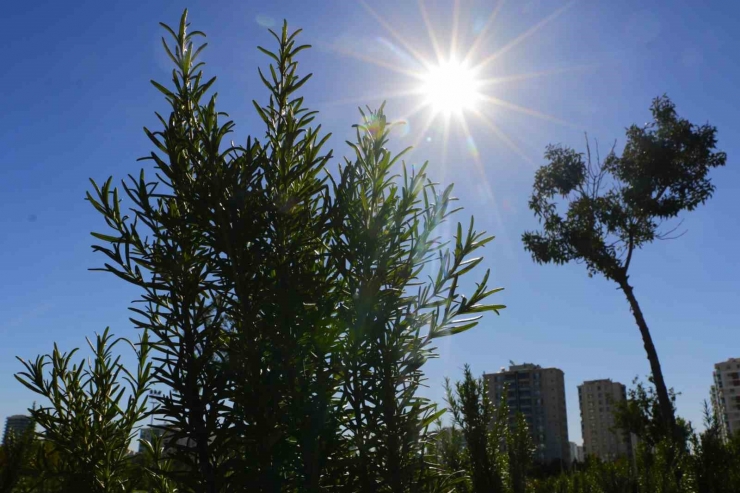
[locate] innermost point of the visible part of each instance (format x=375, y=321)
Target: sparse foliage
x=617, y=206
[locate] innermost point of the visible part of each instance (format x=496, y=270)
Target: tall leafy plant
x=286, y=311
x=485, y=430
x=384, y=236
x=520, y=450
x=271, y=246
x=160, y=248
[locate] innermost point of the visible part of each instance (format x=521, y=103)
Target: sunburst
x=451, y=84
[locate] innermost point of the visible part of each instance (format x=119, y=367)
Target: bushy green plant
x=715, y=463
x=93, y=410
x=485, y=437
x=448, y=452
x=520, y=453
x=498, y=452
x=288, y=317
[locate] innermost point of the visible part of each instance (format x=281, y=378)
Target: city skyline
x=717, y=400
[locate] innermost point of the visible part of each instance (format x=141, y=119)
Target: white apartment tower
x=539, y=394
x=726, y=396
x=597, y=400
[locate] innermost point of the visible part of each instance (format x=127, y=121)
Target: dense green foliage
x=284, y=307
x=494, y=454
x=498, y=452
x=618, y=206
x=706, y=463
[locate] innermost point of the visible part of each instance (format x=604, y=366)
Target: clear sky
x=76, y=94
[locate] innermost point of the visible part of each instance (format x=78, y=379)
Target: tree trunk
x=664, y=401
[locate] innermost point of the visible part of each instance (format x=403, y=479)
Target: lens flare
x=472, y=148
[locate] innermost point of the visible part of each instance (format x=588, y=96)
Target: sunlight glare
x=451, y=87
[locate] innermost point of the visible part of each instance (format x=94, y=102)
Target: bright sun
x=451, y=87
x=453, y=84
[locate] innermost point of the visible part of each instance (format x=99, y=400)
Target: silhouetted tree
x=616, y=207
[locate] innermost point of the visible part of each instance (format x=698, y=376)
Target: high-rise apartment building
x=576, y=452
x=597, y=400
x=148, y=433
x=16, y=424
x=539, y=394
x=726, y=396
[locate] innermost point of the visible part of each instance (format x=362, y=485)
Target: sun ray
x=476, y=159
x=451, y=86
x=413, y=111
x=484, y=31
x=430, y=31
x=374, y=61
x=527, y=111
x=418, y=56
x=367, y=97
x=534, y=75
x=422, y=132
x=455, y=28
x=504, y=138
x=478, y=165
x=526, y=34
x=445, y=139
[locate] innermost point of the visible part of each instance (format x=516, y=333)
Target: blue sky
x=76, y=95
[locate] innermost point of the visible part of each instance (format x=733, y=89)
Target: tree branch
x=665, y=236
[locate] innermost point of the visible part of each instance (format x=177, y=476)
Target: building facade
x=148, y=433
x=576, y=453
x=16, y=425
x=726, y=396
x=539, y=394
x=597, y=400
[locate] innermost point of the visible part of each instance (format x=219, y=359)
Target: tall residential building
x=539, y=394
x=597, y=400
x=16, y=424
x=167, y=435
x=576, y=452
x=148, y=433
x=726, y=396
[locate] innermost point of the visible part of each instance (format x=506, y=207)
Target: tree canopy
x=610, y=209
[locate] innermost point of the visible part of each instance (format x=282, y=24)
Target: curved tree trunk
x=666, y=406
